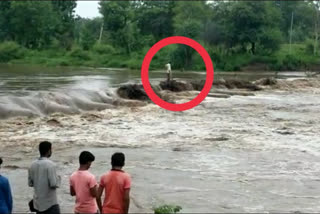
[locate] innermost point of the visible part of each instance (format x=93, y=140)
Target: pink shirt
x=115, y=182
x=82, y=181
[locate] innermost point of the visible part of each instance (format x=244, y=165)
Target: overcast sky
x=87, y=9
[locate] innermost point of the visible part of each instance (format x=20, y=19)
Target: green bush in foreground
x=167, y=209
x=79, y=54
x=103, y=49
x=10, y=51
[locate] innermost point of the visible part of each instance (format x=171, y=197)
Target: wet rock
x=222, y=138
x=198, y=84
x=237, y=84
x=227, y=92
x=284, y=131
x=179, y=149
x=11, y=167
x=176, y=86
x=128, y=103
x=132, y=91
x=91, y=117
x=227, y=84
x=266, y=81
x=218, y=95
x=54, y=122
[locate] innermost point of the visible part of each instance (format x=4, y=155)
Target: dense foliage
x=235, y=33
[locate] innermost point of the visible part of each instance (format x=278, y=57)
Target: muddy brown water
x=241, y=154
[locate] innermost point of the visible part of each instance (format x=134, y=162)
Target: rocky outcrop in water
x=136, y=91
x=227, y=84
x=133, y=95
x=266, y=81
x=176, y=86
x=133, y=92
x=236, y=84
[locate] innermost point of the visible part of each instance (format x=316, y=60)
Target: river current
x=241, y=154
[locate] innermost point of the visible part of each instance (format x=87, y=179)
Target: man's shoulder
x=85, y=174
x=106, y=174
x=46, y=162
x=74, y=174
x=4, y=179
x=127, y=175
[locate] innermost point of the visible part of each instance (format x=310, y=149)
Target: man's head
x=117, y=160
x=45, y=149
x=85, y=159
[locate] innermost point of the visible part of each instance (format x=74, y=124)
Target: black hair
x=44, y=147
x=1, y=161
x=86, y=157
x=117, y=159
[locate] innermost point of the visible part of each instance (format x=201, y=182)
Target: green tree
x=247, y=24
x=32, y=23
x=155, y=18
x=189, y=21
x=87, y=31
x=5, y=7
x=303, y=15
x=65, y=28
x=120, y=24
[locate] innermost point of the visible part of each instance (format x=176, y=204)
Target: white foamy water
x=242, y=154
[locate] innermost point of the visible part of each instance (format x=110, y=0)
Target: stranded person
x=5, y=194
x=42, y=176
x=169, y=73
x=84, y=186
x=116, y=184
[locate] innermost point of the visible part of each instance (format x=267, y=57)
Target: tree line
x=129, y=28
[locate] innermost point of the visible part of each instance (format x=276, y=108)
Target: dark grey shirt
x=42, y=176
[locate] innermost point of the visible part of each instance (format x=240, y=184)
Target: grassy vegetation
x=167, y=209
x=301, y=57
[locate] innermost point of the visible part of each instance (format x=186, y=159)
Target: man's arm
x=99, y=194
x=93, y=191
x=72, y=191
x=30, y=178
x=126, y=200
x=54, y=179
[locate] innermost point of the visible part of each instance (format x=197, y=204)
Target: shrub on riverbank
x=300, y=58
x=10, y=51
x=167, y=209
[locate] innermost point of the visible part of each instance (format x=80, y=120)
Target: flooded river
x=242, y=154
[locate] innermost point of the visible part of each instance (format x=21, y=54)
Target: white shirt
x=168, y=66
x=44, y=179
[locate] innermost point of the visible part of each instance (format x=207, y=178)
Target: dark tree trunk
x=253, y=47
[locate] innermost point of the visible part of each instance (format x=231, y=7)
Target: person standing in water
x=42, y=176
x=116, y=184
x=5, y=194
x=83, y=185
x=169, y=73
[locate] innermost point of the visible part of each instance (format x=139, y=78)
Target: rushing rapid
x=241, y=154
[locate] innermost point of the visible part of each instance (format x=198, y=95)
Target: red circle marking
x=145, y=73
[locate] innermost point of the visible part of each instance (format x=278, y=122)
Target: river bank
x=107, y=56
x=242, y=154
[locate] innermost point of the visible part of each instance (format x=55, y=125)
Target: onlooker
x=42, y=176
x=5, y=194
x=116, y=184
x=83, y=185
